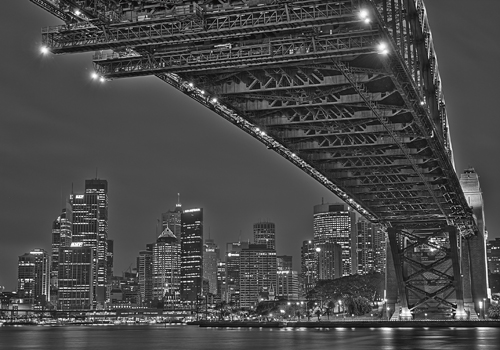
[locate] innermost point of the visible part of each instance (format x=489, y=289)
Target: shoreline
x=351, y=324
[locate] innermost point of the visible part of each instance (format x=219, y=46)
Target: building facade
x=264, y=232
x=145, y=275
x=90, y=228
x=33, y=278
x=233, y=255
x=308, y=267
x=76, y=277
x=191, y=254
x=211, y=258
x=336, y=223
x=166, y=267
x=258, y=273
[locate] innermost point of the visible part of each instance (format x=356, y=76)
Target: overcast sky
x=151, y=142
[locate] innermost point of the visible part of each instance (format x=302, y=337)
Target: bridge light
x=363, y=14
x=422, y=103
x=191, y=85
x=367, y=20
x=382, y=48
x=262, y=133
x=257, y=129
x=202, y=92
x=214, y=100
x=102, y=80
x=94, y=75
x=77, y=12
x=44, y=50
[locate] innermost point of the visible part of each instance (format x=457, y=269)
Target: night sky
x=150, y=142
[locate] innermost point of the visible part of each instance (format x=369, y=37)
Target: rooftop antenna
x=178, y=205
x=157, y=224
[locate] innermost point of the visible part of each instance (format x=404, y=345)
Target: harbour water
x=181, y=337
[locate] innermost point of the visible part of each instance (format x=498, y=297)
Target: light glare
x=44, y=50
x=363, y=14
x=94, y=75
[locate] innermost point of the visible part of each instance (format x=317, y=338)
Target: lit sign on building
x=191, y=210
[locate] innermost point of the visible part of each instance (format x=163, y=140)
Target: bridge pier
x=460, y=313
x=398, y=277
x=474, y=270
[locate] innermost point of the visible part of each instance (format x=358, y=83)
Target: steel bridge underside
x=355, y=103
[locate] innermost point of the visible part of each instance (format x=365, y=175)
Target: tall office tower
x=90, y=227
x=475, y=245
x=75, y=275
x=233, y=252
x=33, y=279
x=336, y=223
x=166, y=267
x=172, y=219
x=61, y=237
x=379, y=249
x=257, y=273
x=191, y=254
x=493, y=253
x=265, y=233
x=365, y=251
x=221, y=280
x=287, y=284
x=211, y=256
x=284, y=263
x=145, y=275
x=308, y=267
x=110, y=259
x=330, y=264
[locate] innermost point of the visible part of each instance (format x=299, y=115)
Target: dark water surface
x=194, y=338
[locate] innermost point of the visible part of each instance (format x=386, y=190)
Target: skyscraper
x=233, y=253
x=211, y=257
x=257, y=273
x=191, y=254
x=330, y=264
x=308, y=267
x=265, y=233
x=62, y=229
x=166, y=267
x=365, y=242
x=379, y=249
x=284, y=263
x=75, y=275
x=172, y=219
x=145, y=275
x=33, y=279
x=336, y=223
x=90, y=227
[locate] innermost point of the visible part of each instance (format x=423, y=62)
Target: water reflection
x=194, y=338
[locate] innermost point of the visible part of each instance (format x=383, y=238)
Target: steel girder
x=306, y=79
x=426, y=268
x=167, y=27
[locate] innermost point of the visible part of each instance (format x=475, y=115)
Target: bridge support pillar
x=397, y=279
x=474, y=271
x=460, y=313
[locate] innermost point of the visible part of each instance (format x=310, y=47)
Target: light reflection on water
x=194, y=338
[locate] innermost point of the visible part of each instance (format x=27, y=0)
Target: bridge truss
x=348, y=90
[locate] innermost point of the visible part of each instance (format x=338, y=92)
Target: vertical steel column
x=457, y=273
x=398, y=267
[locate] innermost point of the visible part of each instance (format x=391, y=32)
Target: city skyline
x=47, y=144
